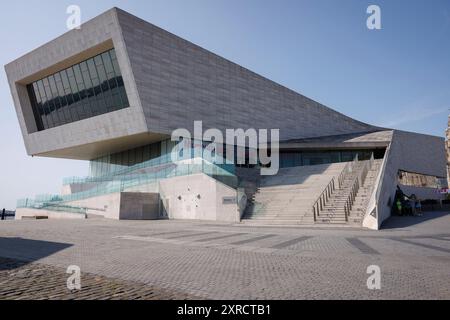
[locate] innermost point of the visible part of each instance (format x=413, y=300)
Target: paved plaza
x=205, y=260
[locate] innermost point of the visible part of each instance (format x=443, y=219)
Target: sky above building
x=396, y=77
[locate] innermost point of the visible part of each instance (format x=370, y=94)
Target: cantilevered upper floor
x=120, y=82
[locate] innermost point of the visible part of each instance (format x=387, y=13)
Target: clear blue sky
x=396, y=77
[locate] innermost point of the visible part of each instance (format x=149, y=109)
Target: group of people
x=407, y=205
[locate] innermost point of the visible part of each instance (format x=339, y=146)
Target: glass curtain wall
x=87, y=89
x=308, y=158
x=160, y=153
x=154, y=154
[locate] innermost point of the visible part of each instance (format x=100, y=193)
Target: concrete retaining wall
x=29, y=212
x=139, y=206
x=198, y=196
x=195, y=196
x=122, y=205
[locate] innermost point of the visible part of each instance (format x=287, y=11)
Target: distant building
x=9, y=214
x=447, y=148
x=113, y=92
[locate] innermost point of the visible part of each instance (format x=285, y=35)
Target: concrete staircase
x=363, y=196
x=335, y=212
x=287, y=197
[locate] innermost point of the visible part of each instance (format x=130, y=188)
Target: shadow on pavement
x=398, y=222
x=26, y=250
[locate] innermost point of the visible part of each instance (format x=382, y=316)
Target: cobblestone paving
x=176, y=259
x=20, y=280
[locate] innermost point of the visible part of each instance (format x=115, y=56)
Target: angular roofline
x=117, y=10
x=244, y=68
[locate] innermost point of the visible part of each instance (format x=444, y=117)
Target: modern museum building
x=114, y=91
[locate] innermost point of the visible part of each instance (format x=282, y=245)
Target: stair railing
x=342, y=175
x=323, y=198
x=351, y=198
x=357, y=183
x=331, y=187
x=349, y=168
x=372, y=161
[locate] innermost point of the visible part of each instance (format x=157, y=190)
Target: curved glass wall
x=87, y=89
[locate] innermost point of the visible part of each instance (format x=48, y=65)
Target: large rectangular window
x=89, y=88
x=418, y=180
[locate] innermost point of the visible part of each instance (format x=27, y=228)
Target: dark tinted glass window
x=92, y=87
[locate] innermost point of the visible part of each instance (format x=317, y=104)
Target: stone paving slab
x=362, y=246
x=166, y=255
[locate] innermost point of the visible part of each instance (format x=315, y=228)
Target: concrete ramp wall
x=23, y=213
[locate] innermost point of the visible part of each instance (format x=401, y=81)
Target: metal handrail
x=372, y=188
x=351, y=198
x=323, y=198
x=341, y=177
x=357, y=183
x=372, y=159
x=354, y=189
x=329, y=189
x=349, y=167
x=375, y=191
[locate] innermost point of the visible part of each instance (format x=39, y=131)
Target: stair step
x=292, y=201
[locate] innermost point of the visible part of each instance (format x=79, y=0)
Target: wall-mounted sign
x=229, y=200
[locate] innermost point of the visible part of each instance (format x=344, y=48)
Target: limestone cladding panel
x=179, y=82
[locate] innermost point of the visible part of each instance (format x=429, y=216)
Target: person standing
x=412, y=203
x=399, y=207
x=418, y=207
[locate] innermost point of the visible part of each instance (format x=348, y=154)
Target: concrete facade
x=408, y=152
x=198, y=197
x=117, y=206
